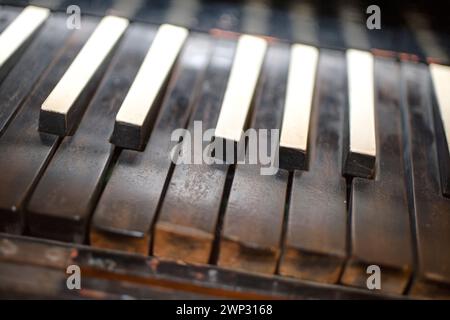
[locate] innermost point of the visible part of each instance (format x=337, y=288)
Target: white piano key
x=238, y=96
x=440, y=76
x=361, y=155
x=297, y=108
x=132, y=124
x=60, y=111
x=17, y=34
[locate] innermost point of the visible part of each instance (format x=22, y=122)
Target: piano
x=354, y=118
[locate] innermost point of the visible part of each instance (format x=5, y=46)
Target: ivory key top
x=361, y=154
x=138, y=111
x=297, y=108
x=238, y=97
x=64, y=106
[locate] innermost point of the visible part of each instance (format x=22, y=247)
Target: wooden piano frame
x=35, y=268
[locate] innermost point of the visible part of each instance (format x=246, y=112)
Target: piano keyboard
x=363, y=151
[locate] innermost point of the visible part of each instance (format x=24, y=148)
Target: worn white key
x=297, y=108
x=17, y=34
x=440, y=76
x=63, y=108
x=361, y=155
x=138, y=110
x=240, y=89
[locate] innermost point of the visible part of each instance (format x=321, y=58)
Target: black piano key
x=24, y=151
x=127, y=207
x=257, y=198
x=186, y=224
x=430, y=209
x=315, y=244
x=68, y=189
x=380, y=221
x=21, y=79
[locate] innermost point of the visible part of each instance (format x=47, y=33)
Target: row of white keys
x=361, y=154
x=440, y=76
x=132, y=124
x=138, y=110
x=60, y=111
x=18, y=34
x=297, y=108
x=360, y=160
x=238, y=96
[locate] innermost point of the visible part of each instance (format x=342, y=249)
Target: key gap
x=189, y=119
x=159, y=205
x=348, y=178
x=115, y=153
x=35, y=182
x=215, y=250
x=285, y=220
x=407, y=160
x=348, y=237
